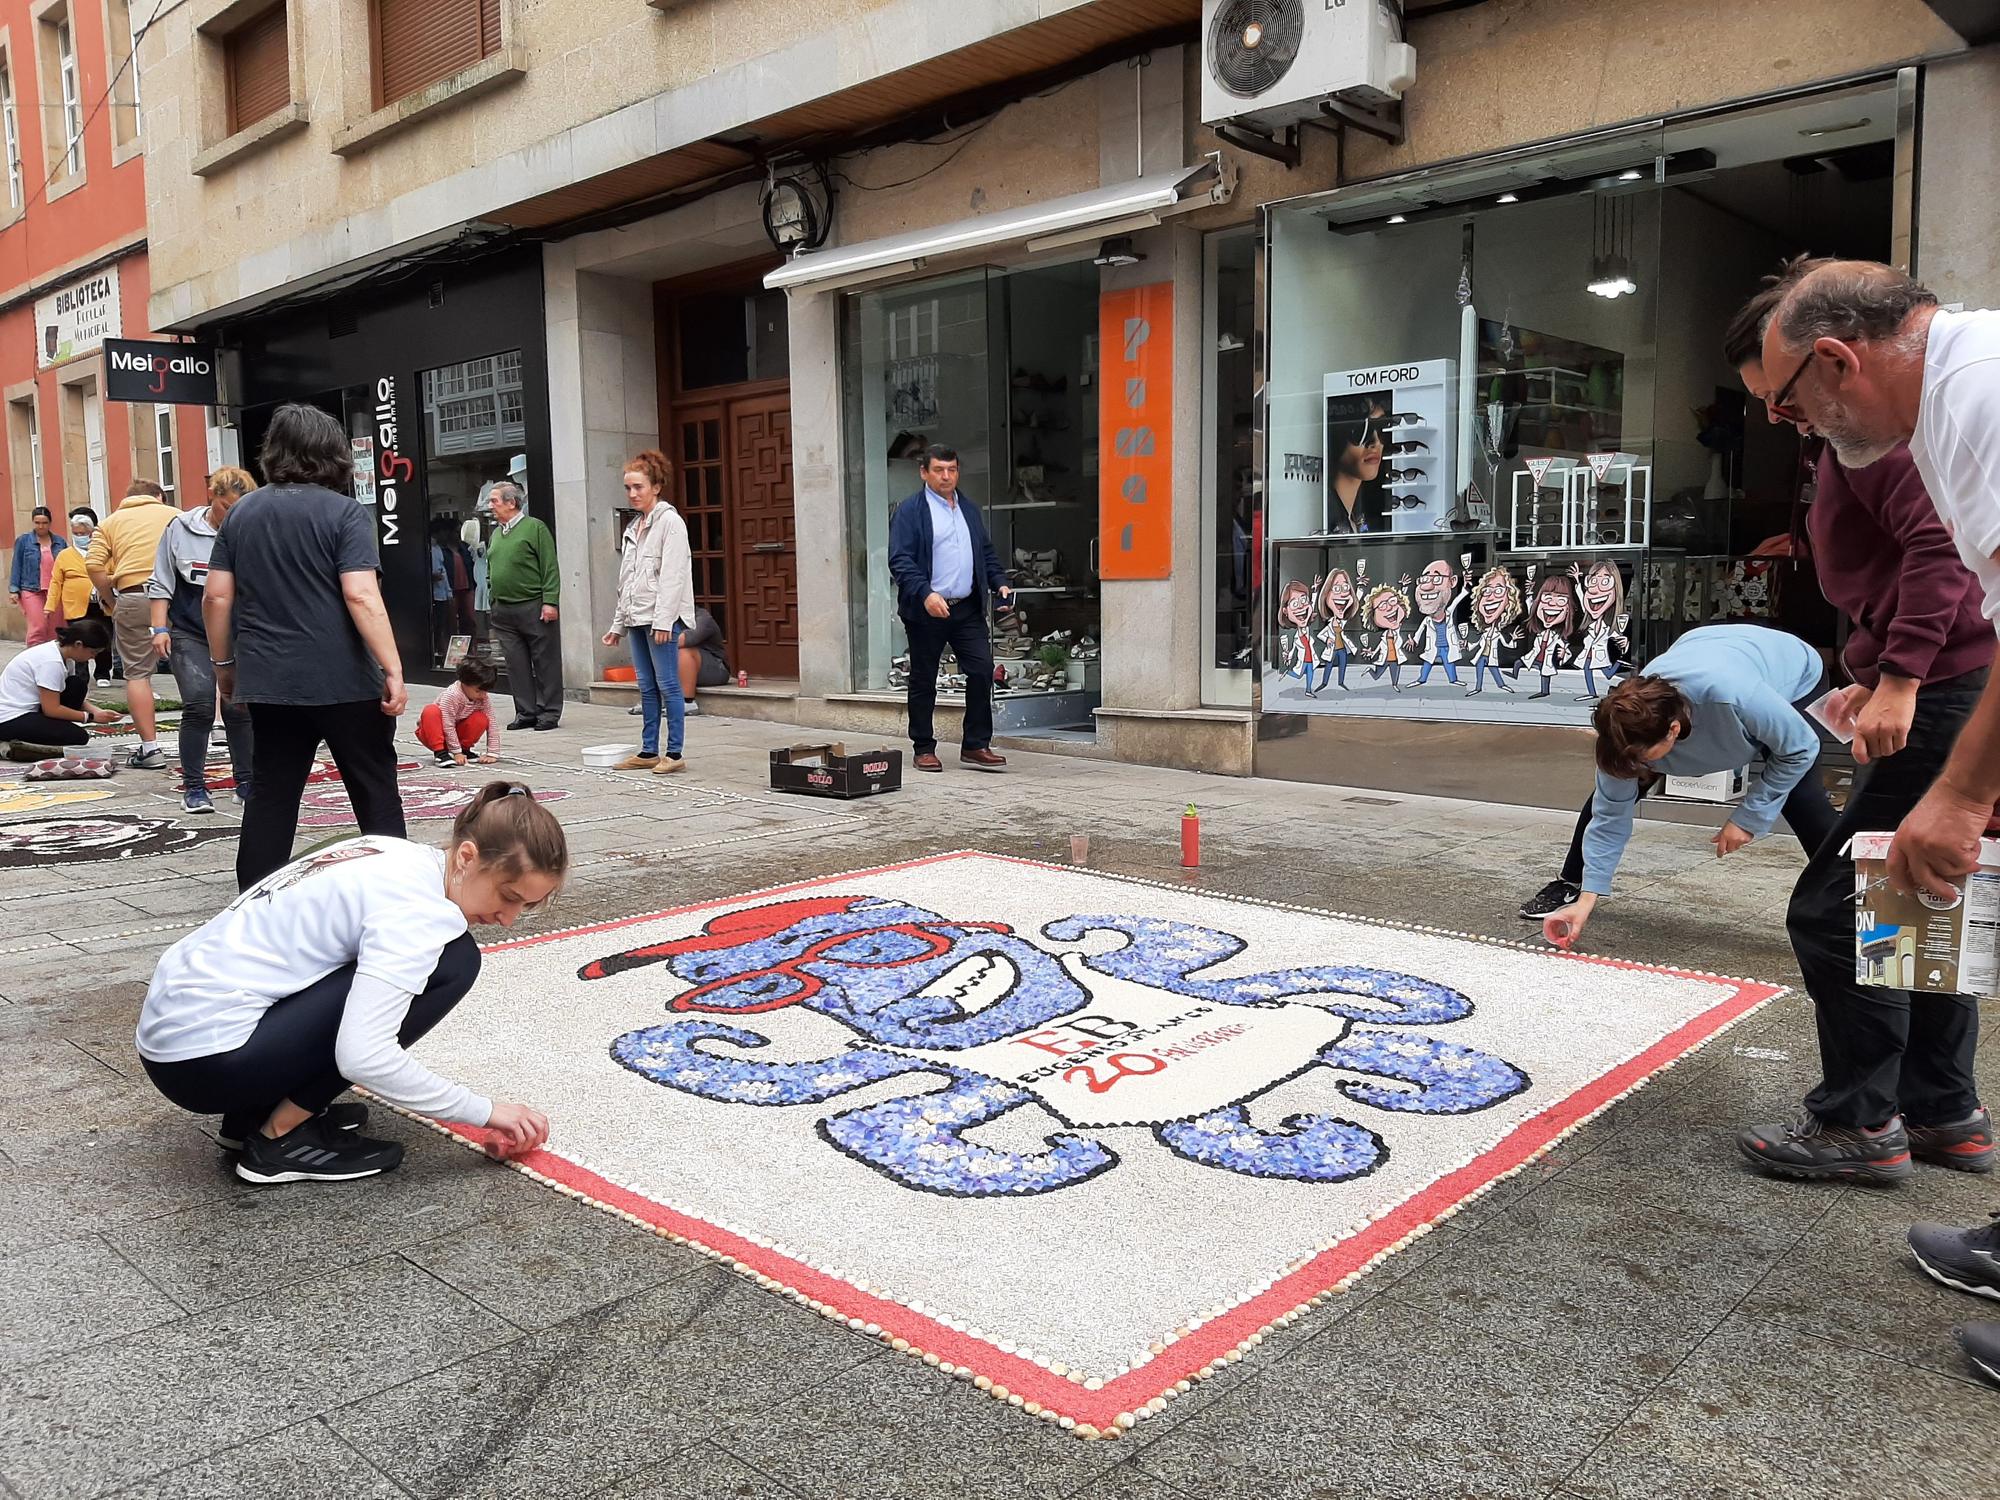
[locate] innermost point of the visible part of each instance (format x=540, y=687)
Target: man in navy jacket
x=943, y=564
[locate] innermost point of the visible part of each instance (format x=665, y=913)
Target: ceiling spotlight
x=1397, y=219
x=1118, y=252
x=1507, y=198
x=1630, y=174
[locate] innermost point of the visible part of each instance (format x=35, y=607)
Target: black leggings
x=39, y=729
x=290, y=1054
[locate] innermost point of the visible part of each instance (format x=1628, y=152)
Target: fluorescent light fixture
x=1507, y=198
x=1396, y=219
x=1630, y=174
x=1841, y=129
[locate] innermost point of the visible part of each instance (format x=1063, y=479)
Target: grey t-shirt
x=706, y=637
x=287, y=545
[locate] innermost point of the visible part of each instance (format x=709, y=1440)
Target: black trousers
x=533, y=649
x=290, y=1054
x=38, y=728
x=964, y=630
x=1881, y=1051
x=286, y=740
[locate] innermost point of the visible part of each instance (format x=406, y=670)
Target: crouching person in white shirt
x=321, y=974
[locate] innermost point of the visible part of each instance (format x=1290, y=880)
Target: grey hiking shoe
x=1810, y=1148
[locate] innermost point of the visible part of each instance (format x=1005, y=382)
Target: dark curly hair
x=305, y=445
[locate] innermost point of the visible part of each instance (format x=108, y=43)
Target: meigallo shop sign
x=76, y=320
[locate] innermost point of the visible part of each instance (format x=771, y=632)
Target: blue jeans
x=659, y=667
x=194, y=674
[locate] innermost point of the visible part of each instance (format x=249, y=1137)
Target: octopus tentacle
x=1303, y=1148
x=1167, y=954
x=920, y=1141
x=1432, y=1076
x=672, y=1054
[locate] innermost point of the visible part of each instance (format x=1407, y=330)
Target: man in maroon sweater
x=1896, y=1078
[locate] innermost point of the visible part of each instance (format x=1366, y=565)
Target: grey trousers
x=533, y=649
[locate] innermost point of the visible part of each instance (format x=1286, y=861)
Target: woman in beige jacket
x=655, y=608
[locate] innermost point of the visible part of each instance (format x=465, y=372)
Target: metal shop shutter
x=417, y=42
x=259, y=69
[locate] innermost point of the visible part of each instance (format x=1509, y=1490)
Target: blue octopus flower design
x=905, y=980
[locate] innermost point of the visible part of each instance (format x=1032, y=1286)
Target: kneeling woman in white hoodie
x=321, y=974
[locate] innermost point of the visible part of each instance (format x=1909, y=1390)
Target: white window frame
x=10, y=125
x=72, y=93
x=163, y=448
x=35, y=450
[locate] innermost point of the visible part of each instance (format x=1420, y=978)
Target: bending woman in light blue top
x=1718, y=699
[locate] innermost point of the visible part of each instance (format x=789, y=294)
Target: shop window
x=419, y=42
x=475, y=431
x=62, y=102
x=10, y=129
x=124, y=64
x=1002, y=367
x=1230, y=562
x=257, y=70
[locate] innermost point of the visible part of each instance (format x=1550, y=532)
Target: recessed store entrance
x=726, y=422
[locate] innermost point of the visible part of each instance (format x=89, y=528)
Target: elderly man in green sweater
x=521, y=569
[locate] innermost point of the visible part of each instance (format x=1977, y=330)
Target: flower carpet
x=1076, y=1139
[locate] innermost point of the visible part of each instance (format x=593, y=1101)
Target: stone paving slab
x=1634, y=1314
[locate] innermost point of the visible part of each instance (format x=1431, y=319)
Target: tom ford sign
x=169, y=374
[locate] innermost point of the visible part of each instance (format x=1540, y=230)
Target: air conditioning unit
x=1269, y=63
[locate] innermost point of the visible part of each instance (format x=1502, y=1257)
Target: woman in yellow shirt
x=69, y=585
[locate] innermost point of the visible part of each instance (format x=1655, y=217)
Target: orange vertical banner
x=1135, y=432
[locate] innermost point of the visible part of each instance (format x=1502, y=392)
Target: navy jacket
x=910, y=555
x=26, y=576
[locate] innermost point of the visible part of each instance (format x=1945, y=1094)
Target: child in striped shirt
x=461, y=717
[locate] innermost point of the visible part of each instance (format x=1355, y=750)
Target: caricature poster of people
x=1423, y=627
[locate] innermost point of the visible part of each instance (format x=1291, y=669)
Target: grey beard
x=1858, y=453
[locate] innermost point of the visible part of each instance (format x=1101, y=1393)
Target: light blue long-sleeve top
x=951, y=547
x=1740, y=682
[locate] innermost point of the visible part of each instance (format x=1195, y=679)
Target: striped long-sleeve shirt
x=456, y=708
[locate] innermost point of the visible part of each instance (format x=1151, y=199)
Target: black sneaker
x=235, y=1130
x=1965, y=1259
x=1818, y=1152
x=1552, y=897
x=443, y=758
x=1981, y=1343
x=315, y=1153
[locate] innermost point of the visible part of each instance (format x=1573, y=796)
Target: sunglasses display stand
x=1561, y=503
x=1408, y=409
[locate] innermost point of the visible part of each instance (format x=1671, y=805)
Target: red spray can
x=1190, y=839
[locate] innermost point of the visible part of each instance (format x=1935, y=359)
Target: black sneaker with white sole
x=315, y=1152
x=1981, y=1343
x=1965, y=1259
x=235, y=1130
x=1552, y=897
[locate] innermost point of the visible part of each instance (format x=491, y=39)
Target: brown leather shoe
x=927, y=761
x=982, y=760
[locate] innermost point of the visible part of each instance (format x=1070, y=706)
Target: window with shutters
x=257, y=68
x=420, y=42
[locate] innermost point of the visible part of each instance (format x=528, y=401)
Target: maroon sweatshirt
x=1886, y=562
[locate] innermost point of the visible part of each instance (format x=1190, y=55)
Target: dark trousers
x=286, y=739
x=194, y=675
x=39, y=729
x=964, y=630
x=533, y=649
x=290, y=1054
x=1882, y=1051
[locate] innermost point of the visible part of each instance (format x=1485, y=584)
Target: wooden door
x=763, y=627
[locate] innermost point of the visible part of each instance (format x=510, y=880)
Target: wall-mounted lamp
x=1117, y=251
